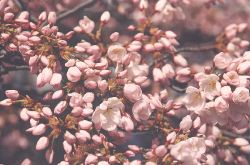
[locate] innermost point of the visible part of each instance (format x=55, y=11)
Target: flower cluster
x=105, y=89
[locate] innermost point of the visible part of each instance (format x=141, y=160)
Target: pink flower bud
x=186, y=123
x=57, y=94
x=42, y=16
x=240, y=95
x=8, y=17
x=197, y=122
x=88, y=97
x=67, y=147
x=46, y=74
x=160, y=5
x=112, y=159
x=105, y=17
x=134, y=46
x=240, y=142
x=226, y=92
x=42, y=143
x=97, y=139
x=161, y=151
x=245, y=149
x=23, y=114
x=70, y=138
x=52, y=17
x=132, y=92
x=168, y=71
x=21, y=38
x=171, y=137
x=157, y=74
x=165, y=42
x=12, y=94
x=129, y=153
x=47, y=111
x=39, y=129
x=103, y=85
x=49, y=155
x=56, y=79
x=33, y=114
x=26, y=161
x=180, y=60
x=91, y=159
x=83, y=136
x=35, y=39
x=209, y=143
x=87, y=111
x=77, y=111
x=143, y=4
x=134, y=148
x=114, y=36
x=149, y=48
x=74, y=74
x=60, y=107
x=243, y=67
x=126, y=123
x=85, y=124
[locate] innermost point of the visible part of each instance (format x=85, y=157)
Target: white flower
x=195, y=99
x=108, y=114
x=135, y=70
x=116, y=53
x=210, y=85
x=189, y=151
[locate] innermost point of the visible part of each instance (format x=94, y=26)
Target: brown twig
x=196, y=49
x=234, y=135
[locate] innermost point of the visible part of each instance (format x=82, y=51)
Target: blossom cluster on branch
x=103, y=90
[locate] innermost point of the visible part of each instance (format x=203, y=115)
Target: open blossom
x=116, y=53
x=232, y=78
x=222, y=60
x=210, y=85
x=195, y=99
x=132, y=92
x=108, y=114
x=189, y=151
x=87, y=25
x=240, y=95
x=142, y=110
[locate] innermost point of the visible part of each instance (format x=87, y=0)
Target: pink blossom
x=105, y=17
x=42, y=143
x=141, y=110
x=240, y=95
x=12, y=94
x=186, y=123
x=132, y=92
x=74, y=74
x=220, y=104
x=116, y=53
x=86, y=24
x=195, y=99
x=108, y=114
x=210, y=85
x=189, y=151
x=222, y=60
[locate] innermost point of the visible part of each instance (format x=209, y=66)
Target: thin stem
x=234, y=135
x=84, y=4
x=196, y=49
